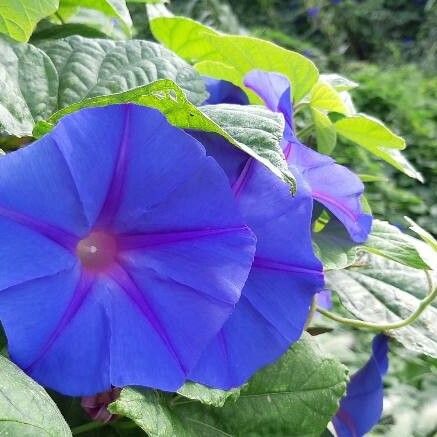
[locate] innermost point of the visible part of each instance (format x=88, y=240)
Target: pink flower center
x=97, y=251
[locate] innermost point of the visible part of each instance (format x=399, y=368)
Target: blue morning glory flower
x=361, y=408
x=285, y=275
x=331, y=184
x=222, y=91
x=122, y=252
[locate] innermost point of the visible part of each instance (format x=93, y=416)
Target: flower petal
x=331, y=184
x=334, y=186
x=90, y=141
x=276, y=299
x=69, y=342
x=36, y=182
x=26, y=255
x=361, y=408
x=176, y=322
x=222, y=91
x=157, y=160
x=274, y=89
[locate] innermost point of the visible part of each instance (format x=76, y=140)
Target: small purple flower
x=335, y=2
x=313, y=12
x=222, y=91
x=285, y=275
x=361, y=408
x=331, y=184
x=122, y=252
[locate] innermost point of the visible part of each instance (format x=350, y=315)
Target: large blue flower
x=361, y=408
x=122, y=252
x=331, y=184
x=285, y=275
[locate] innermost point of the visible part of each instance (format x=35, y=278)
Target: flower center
x=97, y=251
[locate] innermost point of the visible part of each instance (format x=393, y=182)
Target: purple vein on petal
x=140, y=241
x=53, y=233
x=128, y=285
x=328, y=199
x=84, y=285
x=114, y=194
x=243, y=178
x=284, y=267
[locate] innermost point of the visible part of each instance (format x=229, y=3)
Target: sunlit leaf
x=200, y=45
x=18, y=18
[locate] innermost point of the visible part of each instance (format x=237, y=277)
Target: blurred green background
x=387, y=46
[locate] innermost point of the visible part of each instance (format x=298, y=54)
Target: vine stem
x=424, y=303
x=303, y=133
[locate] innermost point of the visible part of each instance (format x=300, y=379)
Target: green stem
x=58, y=16
x=87, y=427
x=303, y=133
x=424, y=303
x=300, y=106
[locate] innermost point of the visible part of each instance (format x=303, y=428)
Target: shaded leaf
x=96, y=67
x=23, y=98
x=383, y=291
x=337, y=251
x=296, y=396
x=26, y=410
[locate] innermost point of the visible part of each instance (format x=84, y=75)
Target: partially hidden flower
x=122, y=252
x=97, y=406
x=222, y=91
x=331, y=184
x=360, y=410
x=284, y=278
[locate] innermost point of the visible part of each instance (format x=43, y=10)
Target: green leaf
x=18, y=18
x=26, y=410
x=207, y=395
x=149, y=409
x=29, y=83
x=368, y=132
x=383, y=291
x=96, y=67
x=325, y=97
x=233, y=122
x=374, y=136
x=297, y=396
x=326, y=135
x=339, y=83
x=196, y=43
x=337, y=251
x=111, y=8
x=424, y=235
